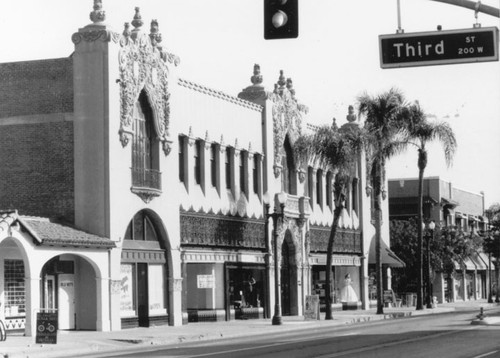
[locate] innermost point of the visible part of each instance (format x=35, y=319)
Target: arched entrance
x=144, y=273
x=288, y=277
x=68, y=287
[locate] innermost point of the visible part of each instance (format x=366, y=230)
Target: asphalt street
x=448, y=335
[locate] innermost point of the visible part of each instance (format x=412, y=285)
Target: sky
x=333, y=61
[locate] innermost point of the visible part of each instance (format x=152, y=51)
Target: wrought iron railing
x=146, y=178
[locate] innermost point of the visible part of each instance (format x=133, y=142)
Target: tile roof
x=55, y=234
x=47, y=232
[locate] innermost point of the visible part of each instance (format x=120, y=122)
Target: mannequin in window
x=248, y=291
x=347, y=294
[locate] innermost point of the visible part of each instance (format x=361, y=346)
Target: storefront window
x=14, y=288
x=246, y=287
x=127, y=301
x=156, y=287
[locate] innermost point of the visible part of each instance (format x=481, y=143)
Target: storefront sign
x=312, y=307
x=46, y=327
x=439, y=47
x=389, y=296
x=206, y=281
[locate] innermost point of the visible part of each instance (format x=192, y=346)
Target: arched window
x=145, y=147
x=319, y=187
x=328, y=189
x=288, y=175
x=141, y=228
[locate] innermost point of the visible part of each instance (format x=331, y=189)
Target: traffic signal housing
x=281, y=19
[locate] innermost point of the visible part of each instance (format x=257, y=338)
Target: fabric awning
x=387, y=256
x=480, y=261
x=467, y=262
x=460, y=215
x=483, y=259
x=449, y=202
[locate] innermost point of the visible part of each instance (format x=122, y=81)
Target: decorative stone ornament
x=302, y=175
x=144, y=67
x=98, y=15
x=287, y=115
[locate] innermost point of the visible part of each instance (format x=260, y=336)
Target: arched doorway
x=144, y=273
x=288, y=277
x=68, y=287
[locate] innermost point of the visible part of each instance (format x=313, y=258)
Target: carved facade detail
x=346, y=241
x=287, y=115
x=95, y=34
x=290, y=225
x=212, y=230
x=143, y=67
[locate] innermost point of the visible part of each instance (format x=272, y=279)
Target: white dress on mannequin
x=347, y=294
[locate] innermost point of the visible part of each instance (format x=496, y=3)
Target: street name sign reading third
x=439, y=47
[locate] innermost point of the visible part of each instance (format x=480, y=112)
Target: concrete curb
x=102, y=343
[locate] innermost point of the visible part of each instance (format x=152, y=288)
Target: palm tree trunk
x=329, y=253
x=377, y=184
x=378, y=258
x=422, y=163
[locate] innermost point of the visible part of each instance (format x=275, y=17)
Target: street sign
x=439, y=47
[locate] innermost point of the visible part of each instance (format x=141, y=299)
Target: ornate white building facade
x=157, y=215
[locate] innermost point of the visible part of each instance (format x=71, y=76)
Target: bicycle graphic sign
x=46, y=327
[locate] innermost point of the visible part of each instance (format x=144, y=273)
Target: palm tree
x=384, y=138
x=337, y=149
x=420, y=132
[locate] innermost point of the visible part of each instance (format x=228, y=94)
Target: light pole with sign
x=275, y=216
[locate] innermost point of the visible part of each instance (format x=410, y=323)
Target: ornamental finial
x=98, y=15
x=257, y=77
x=289, y=86
x=137, y=21
x=155, y=35
x=351, y=117
x=282, y=80
x=126, y=29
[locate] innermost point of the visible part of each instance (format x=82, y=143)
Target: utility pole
x=473, y=5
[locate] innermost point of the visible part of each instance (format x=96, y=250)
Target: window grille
x=14, y=287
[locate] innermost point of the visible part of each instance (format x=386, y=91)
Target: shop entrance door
x=285, y=279
x=142, y=294
x=66, y=301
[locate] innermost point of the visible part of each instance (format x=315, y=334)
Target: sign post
x=46, y=327
x=439, y=47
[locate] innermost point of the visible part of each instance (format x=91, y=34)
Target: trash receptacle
x=410, y=299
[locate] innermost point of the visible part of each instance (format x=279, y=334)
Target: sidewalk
x=75, y=343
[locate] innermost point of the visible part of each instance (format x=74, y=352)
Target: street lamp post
x=496, y=238
x=431, y=226
x=490, y=296
x=275, y=216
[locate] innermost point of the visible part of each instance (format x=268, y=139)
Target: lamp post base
x=277, y=320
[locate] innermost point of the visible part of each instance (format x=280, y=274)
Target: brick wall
x=36, y=87
x=36, y=162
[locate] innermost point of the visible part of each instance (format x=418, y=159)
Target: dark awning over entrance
x=386, y=255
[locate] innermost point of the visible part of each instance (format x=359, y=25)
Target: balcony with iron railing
x=146, y=183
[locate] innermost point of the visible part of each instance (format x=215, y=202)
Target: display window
x=246, y=290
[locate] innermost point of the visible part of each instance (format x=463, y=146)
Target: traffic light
x=281, y=19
